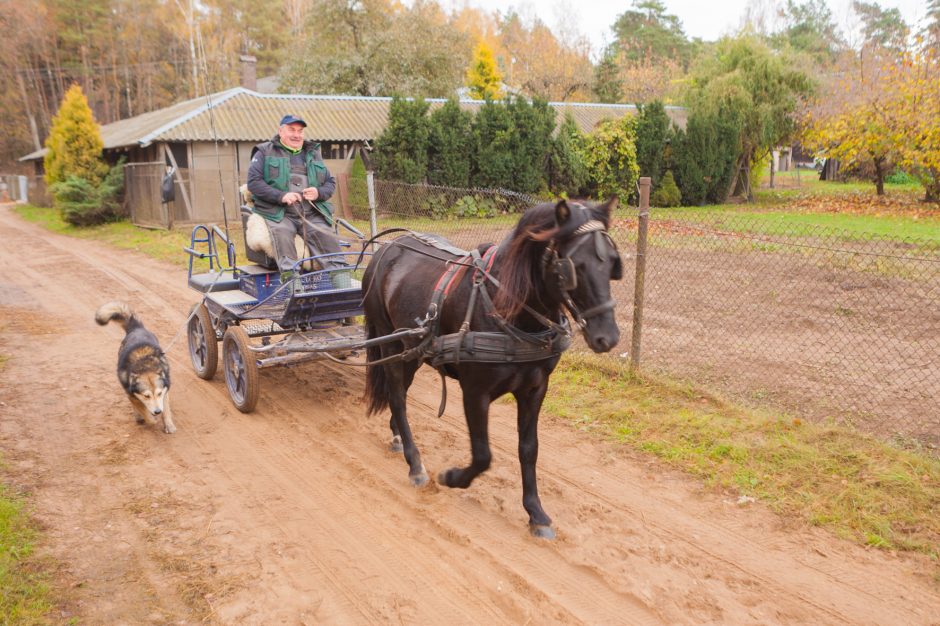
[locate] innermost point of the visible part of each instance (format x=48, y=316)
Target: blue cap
x=293, y=119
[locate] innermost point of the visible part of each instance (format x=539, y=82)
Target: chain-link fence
x=822, y=324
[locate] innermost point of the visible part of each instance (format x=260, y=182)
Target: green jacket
x=269, y=178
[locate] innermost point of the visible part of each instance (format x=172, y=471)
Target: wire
x=215, y=135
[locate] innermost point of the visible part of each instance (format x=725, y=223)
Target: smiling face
x=292, y=135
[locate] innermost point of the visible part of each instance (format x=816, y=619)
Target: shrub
x=667, y=194
x=358, y=187
x=610, y=156
x=82, y=203
x=900, y=177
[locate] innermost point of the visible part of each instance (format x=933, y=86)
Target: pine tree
x=483, y=77
x=74, y=143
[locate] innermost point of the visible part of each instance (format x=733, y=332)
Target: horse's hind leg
x=395, y=445
x=529, y=405
x=400, y=377
x=476, y=407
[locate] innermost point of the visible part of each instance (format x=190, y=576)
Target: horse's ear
x=610, y=206
x=562, y=212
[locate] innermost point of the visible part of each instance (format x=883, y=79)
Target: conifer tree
x=401, y=151
x=567, y=173
x=652, y=134
x=451, y=146
x=483, y=77
x=74, y=143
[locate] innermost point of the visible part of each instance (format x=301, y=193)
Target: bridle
x=559, y=270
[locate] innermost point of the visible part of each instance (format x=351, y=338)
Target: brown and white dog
x=142, y=367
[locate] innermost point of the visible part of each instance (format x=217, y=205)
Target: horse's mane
x=520, y=264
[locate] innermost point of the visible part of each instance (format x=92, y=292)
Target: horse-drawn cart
x=262, y=321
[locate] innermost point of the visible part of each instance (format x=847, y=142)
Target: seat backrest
x=255, y=255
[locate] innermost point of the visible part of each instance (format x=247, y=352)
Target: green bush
x=610, y=156
x=82, y=203
x=476, y=206
x=667, y=194
x=900, y=177
x=358, y=187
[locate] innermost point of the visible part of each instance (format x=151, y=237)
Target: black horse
x=558, y=256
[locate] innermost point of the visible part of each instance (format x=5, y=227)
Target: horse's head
x=579, y=264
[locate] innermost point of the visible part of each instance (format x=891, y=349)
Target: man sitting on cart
x=291, y=186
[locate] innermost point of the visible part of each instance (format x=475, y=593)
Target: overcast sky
x=700, y=18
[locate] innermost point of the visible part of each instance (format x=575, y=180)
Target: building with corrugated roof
x=206, y=143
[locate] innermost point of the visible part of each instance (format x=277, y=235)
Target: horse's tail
x=376, y=394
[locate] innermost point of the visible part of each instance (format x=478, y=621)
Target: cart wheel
x=241, y=369
x=203, y=345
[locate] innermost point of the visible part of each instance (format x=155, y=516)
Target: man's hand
x=291, y=197
x=311, y=193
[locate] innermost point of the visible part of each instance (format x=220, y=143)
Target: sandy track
x=298, y=514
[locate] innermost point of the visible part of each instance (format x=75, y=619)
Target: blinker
x=564, y=270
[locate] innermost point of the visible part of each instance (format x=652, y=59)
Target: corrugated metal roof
x=242, y=115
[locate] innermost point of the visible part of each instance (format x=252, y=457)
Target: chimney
x=249, y=72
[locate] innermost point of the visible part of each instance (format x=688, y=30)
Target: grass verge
x=851, y=484
x=166, y=245
x=23, y=583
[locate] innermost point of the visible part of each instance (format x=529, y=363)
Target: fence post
x=639, y=286
x=370, y=186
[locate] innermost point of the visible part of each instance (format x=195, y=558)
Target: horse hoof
x=419, y=480
x=395, y=445
x=542, y=531
x=442, y=478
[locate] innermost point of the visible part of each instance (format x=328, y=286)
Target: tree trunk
x=734, y=179
x=773, y=167
x=932, y=186
x=880, y=176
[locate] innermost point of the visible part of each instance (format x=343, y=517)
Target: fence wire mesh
x=820, y=324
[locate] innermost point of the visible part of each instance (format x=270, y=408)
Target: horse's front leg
x=529, y=404
x=476, y=407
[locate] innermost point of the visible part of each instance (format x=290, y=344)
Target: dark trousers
x=313, y=228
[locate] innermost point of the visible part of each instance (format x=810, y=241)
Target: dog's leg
x=168, y=426
x=140, y=411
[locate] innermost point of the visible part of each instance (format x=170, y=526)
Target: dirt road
x=299, y=514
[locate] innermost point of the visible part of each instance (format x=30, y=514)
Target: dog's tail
x=118, y=311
